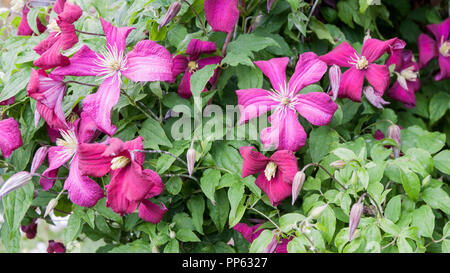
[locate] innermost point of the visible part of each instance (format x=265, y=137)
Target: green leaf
x=219, y=211
x=345, y=154
x=172, y=247
x=394, y=208
x=174, y=185
x=236, y=215
x=289, y=221
x=423, y=219
x=389, y=227
x=16, y=204
x=137, y=246
x=74, y=226
x=260, y=243
x=442, y=161
x=196, y=206
x=198, y=82
x=403, y=245
x=16, y=83
x=345, y=10
x=327, y=223
x=153, y=134
x=411, y=184
x=186, y=235
x=437, y=198
x=320, y=30
x=439, y=104
x=249, y=77
x=31, y=19
x=320, y=142
x=209, y=181
x=379, y=152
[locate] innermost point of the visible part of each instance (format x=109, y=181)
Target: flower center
x=409, y=74
x=193, y=66
x=17, y=5
x=119, y=162
x=69, y=140
x=111, y=61
x=444, y=48
x=270, y=170
x=285, y=101
x=362, y=63
x=53, y=27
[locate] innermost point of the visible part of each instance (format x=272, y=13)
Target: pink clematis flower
x=83, y=191
x=286, y=133
x=130, y=183
x=275, y=173
x=9, y=101
x=62, y=36
x=24, y=28
x=407, y=70
x=148, y=61
x=360, y=66
x=192, y=63
x=429, y=48
x=251, y=233
x=10, y=136
x=222, y=15
x=48, y=91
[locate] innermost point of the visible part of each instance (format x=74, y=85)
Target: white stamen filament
x=53, y=27
x=407, y=74
x=69, y=141
x=270, y=170
x=360, y=62
x=119, y=162
x=444, y=48
x=111, y=62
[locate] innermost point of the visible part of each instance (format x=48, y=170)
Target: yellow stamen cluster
x=119, y=162
x=193, y=66
x=270, y=171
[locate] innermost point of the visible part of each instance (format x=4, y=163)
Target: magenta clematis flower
x=48, y=91
x=30, y=230
x=275, y=173
x=429, y=48
x=55, y=247
x=407, y=70
x=9, y=101
x=192, y=63
x=130, y=183
x=286, y=133
x=83, y=191
x=222, y=15
x=251, y=233
x=10, y=136
x=148, y=61
x=62, y=36
x=360, y=67
x=24, y=28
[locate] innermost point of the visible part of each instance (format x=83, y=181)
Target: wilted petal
x=309, y=70
x=254, y=102
x=222, y=15
x=427, y=49
x=151, y=212
x=149, y=61
x=374, y=98
x=341, y=55
x=254, y=161
x=351, y=84
x=275, y=70
x=317, y=107
x=10, y=136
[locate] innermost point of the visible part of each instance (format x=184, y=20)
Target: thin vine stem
x=161, y=152
x=90, y=33
x=267, y=217
x=198, y=17
x=325, y=170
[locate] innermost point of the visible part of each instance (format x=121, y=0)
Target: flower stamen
x=119, y=162
x=270, y=170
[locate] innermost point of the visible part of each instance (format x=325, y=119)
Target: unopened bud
x=317, y=211
x=30, y=230
x=338, y=164
x=367, y=37
x=155, y=249
x=16, y=181
x=394, y=133
x=39, y=158
x=297, y=185
x=374, y=98
x=354, y=178
x=272, y=245
x=50, y=206
x=255, y=23
x=171, y=13
x=190, y=156
x=269, y=4
x=335, y=75
x=172, y=234
x=355, y=216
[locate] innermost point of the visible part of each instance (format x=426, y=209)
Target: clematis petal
x=395, y=50
x=86, y=128
x=222, y=15
x=184, y=89
x=151, y=212
x=286, y=165
x=10, y=136
x=444, y=64
x=9, y=101
x=379, y=77
x=83, y=63
x=116, y=37
x=407, y=97
x=47, y=43
x=276, y=189
x=24, y=28
x=286, y=133
x=157, y=184
x=440, y=30
x=91, y=160
x=254, y=161
x=374, y=98
x=59, y=6
x=275, y=70
x=317, y=107
x=282, y=245
x=180, y=65
x=70, y=13
x=135, y=144
x=309, y=70
x=39, y=158
x=149, y=61
x=254, y=102
x=99, y=105
x=197, y=47
x=249, y=233
x=57, y=156
x=52, y=57
x=373, y=48
x=427, y=49
x=351, y=84
x=342, y=55
x=83, y=191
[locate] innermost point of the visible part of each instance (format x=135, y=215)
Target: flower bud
x=30, y=230
x=190, y=156
x=272, y=245
x=171, y=13
x=317, y=211
x=39, y=158
x=155, y=249
x=338, y=164
x=335, y=75
x=355, y=216
x=14, y=182
x=172, y=234
x=394, y=133
x=55, y=247
x=297, y=185
x=255, y=23
x=367, y=36
x=374, y=98
x=50, y=206
x=269, y=4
